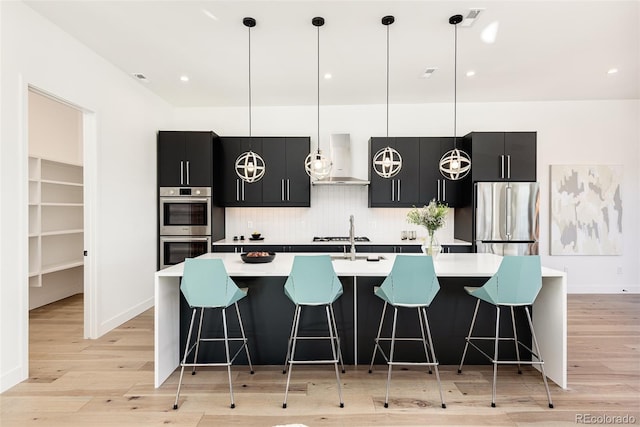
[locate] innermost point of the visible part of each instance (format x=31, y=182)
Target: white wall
x=580, y=132
x=122, y=181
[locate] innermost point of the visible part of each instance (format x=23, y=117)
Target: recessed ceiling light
x=327, y=76
x=209, y=14
x=428, y=72
x=612, y=71
x=471, y=73
x=140, y=77
x=184, y=78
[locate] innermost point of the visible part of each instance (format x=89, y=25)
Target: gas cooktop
x=339, y=239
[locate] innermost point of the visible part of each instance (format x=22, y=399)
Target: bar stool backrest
x=412, y=281
x=205, y=283
x=312, y=280
x=517, y=282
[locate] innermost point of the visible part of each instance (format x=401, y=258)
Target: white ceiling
x=544, y=50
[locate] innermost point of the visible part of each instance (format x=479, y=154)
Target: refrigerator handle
x=508, y=212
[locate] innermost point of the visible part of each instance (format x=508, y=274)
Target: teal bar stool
x=313, y=282
x=412, y=283
x=515, y=284
x=206, y=284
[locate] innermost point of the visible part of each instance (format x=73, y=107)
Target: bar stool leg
x=184, y=357
x=376, y=347
x=424, y=341
x=294, y=339
x=226, y=348
x=495, y=358
x=331, y=321
x=515, y=337
x=390, y=362
x=433, y=355
x=466, y=344
x=537, y=350
x=335, y=329
x=286, y=359
x=195, y=356
x=244, y=338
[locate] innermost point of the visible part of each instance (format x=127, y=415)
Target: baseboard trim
x=118, y=320
x=603, y=289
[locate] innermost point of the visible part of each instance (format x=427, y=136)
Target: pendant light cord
x=249, y=86
x=387, y=82
x=455, y=86
x=318, y=83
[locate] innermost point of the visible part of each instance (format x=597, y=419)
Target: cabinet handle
x=502, y=166
x=398, y=190
x=288, y=190
x=188, y=172
x=444, y=190
x=243, y=191
x=509, y=166
x=393, y=190
x=282, y=189
x=237, y=190
x=181, y=172
x=439, y=189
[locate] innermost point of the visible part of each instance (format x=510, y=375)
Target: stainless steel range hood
x=341, y=172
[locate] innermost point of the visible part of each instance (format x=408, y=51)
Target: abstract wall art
x=586, y=210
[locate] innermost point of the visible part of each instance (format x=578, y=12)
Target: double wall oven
x=185, y=215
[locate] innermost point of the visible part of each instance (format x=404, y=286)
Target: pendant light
x=316, y=164
x=250, y=166
x=387, y=162
x=455, y=164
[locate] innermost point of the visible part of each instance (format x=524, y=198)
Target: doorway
x=58, y=213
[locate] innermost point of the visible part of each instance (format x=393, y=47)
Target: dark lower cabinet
x=267, y=316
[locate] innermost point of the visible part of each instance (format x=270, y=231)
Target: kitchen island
x=359, y=316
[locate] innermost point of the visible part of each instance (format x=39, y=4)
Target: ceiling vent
x=428, y=72
x=140, y=77
x=471, y=17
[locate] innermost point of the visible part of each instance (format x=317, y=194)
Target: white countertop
x=276, y=241
x=446, y=265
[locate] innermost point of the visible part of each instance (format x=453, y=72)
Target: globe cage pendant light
x=250, y=166
x=455, y=164
x=387, y=162
x=317, y=165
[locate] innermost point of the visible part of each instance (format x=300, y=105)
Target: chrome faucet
x=352, y=239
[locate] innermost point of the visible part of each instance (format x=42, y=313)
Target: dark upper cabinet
x=403, y=189
x=285, y=181
x=236, y=192
x=502, y=156
x=433, y=185
x=185, y=159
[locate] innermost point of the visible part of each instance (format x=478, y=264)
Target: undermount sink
x=358, y=257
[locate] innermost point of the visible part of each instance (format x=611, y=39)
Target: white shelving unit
x=56, y=229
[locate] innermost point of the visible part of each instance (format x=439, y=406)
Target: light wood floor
x=109, y=381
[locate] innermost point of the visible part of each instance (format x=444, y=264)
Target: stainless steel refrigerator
x=507, y=217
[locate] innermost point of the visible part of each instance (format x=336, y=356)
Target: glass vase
x=431, y=246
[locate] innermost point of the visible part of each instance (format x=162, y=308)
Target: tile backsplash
x=329, y=216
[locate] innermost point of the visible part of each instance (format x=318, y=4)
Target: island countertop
x=549, y=309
